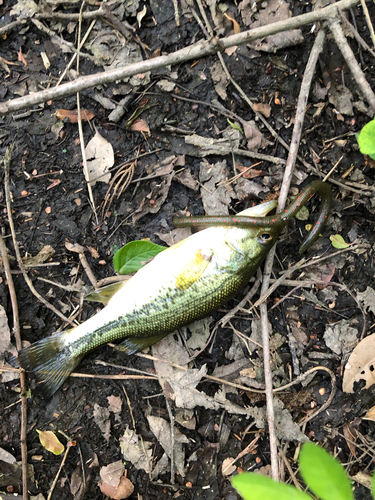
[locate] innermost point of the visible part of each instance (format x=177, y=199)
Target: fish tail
x=51, y=361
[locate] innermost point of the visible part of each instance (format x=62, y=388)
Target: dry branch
x=198, y=50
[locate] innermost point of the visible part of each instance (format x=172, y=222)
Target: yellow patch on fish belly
x=192, y=270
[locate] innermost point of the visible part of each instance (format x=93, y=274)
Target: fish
x=183, y=283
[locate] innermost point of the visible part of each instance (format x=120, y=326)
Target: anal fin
x=135, y=344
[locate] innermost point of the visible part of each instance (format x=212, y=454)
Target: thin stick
x=171, y=419
x=198, y=50
x=337, y=32
x=297, y=130
x=68, y=446
x=80, y=129
x=7, y=160
x=368, y=20
x=17, y=334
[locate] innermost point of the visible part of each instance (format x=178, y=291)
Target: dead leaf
x=249, y=173
x=273, y=11
x=255, y=138
x=46, y=253
x=368, y=299
x=215, y=195
x=220, y=79
x=7, y=457
x=6, y=346
x=175, y=236
x=100, y=158
x=21, y=58
x=370, y=415
x=94, y=253
x=71, y=115
x=236, y=26
x=102, y=420
x=123, y=490
x=186, y=178
x=162, y=431
x=262, y=107
x=154, y=200
x=137, y=452
x=360, y=365
x=227, y=469
x=350, y=434
x=50, y=442
x=115, y=404
x=112, y=473
x=140, y=125
x=341, y=338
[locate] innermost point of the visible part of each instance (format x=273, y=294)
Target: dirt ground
x=159, y=169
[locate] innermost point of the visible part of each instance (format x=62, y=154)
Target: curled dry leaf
x=50, y=442
x=360, y=365
x=123, y=490
x=71, y=115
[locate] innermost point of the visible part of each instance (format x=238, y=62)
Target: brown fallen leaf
x=370, y=415
x=139, y=125
x=21, y=57
x=123, y=490
x=263, y=108
x=72, y=115
x=249, y=173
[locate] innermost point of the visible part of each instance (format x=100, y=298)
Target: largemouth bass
x=182, y=284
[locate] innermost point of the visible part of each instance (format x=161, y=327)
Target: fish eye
x=265, y=237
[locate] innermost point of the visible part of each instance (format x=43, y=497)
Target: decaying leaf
x=162, y=431
x=112, y=473
x=341, y=338
x=228, y=468
x=215, y=196
x=7, y=457
x=46, y=253
x=100, y=158
x=50, y=442
x=137, y=452
x=6, y=346
x=370, y=415
x=360, y=365
x=262, y=107
x=140, y=125
x=154, y=200
x=368, y=299
x=273, y=11
x=123, y=490
x=115, y=404
x=102, y=419
x=72, y=115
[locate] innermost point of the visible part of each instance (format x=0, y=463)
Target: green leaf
x=366, y=139
x=134, y=255
x=373, y=486
x=338, y=241
x=257, y=487
x=235, y=126
x=323, y=474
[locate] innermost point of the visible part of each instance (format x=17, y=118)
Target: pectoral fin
x=192, y=270
x=105, y=293
x=135, y=344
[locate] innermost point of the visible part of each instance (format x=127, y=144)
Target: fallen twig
x=17, y=334
x=198, y=50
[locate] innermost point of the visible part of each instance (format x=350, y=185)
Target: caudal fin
x=50, y=360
